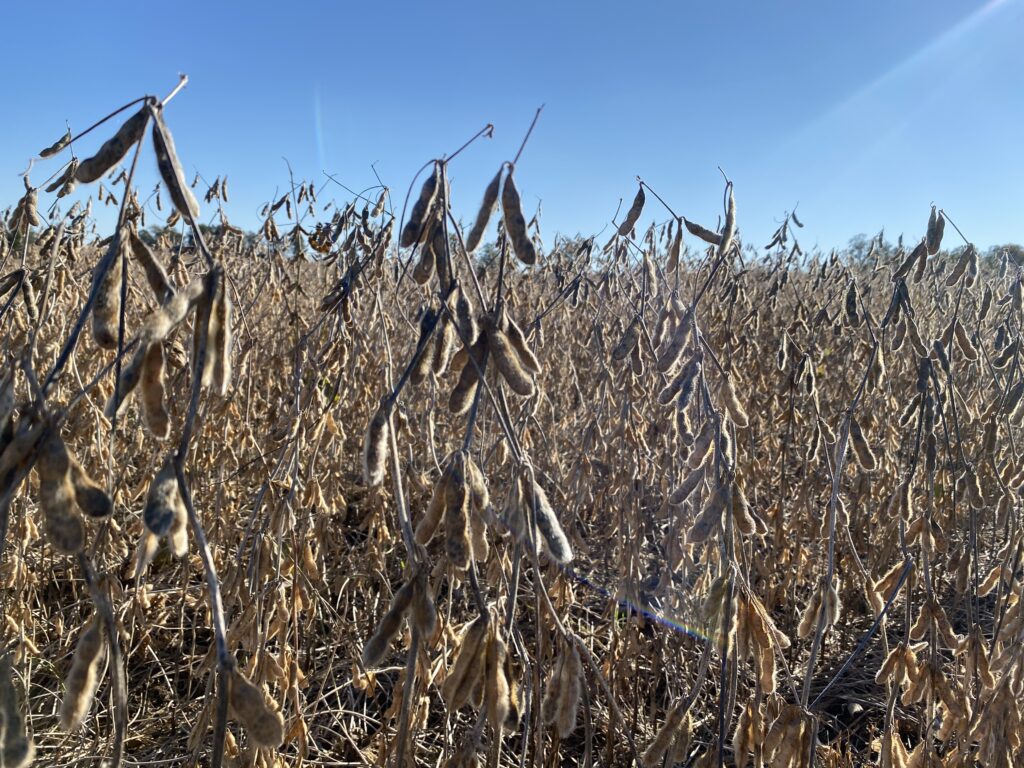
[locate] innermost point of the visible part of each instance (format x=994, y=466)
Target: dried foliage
x=669, y=501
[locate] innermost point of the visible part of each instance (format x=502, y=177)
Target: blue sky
x=864, y=113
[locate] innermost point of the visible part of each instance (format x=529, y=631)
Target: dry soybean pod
x=170, y=167
x=375, y=446
x=515, y=224
x=83, y=679
x=507, y=360
x=154, y=411
x=163, y=502
x=106, y=310
x=91, y=498
x=712, y=238
x=518, y=340
x=377, y=646
x=17, y=750
x=634, y=212
x=550, y=529
x=483, y=216
x=220, y=340
x=114, y=148
x=412, y=232
x=264, y=725
x=156, y=276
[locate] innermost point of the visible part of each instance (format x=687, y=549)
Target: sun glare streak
x=923, y=55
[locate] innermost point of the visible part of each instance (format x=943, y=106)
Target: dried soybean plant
x=664, y=499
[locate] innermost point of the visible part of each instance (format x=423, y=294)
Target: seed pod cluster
x=680, y=389
x=628, y=341
x=758, y=637
x=676, y=729
x=467, y=675
x=461, y=500
x=507, y=359
x=673, y=349
x=788, y=738
x=560, y=704
x=527, y=501
x=155, y=328
x=710, y=518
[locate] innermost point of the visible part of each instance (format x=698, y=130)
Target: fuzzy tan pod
x=83, y=679
x=470, y=665
x=376, y=446
x=220, y=340
x=518, y=340
x=57, y=146
x=562, y=694
x=205, y=329
x=92, y=499
x=170, y=167
x=57, y=497
x=466, y=318
x=154, y=411
x=729, y=228
x=263, y=724
x=377, y=646
x=457, y=541
x=444, y=343
x=705, y=234
x=106, y=310
x=424, y=268
x=423, y=611
x=515, y=223
x=16, y=747
x=552, y=536
x=165, y=509
x=497, y=693
x=156, y=276
x=507, y=360
x=481, y=496
x=462, y=396
x=413, y=230
x=936, y=225
x=483, y=216
x=428, y=524
x=634, y=213
x=114, y=149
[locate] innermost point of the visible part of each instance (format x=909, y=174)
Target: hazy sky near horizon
x=863, y=113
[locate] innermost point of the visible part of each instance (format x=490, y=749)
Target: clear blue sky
x=863, y=112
